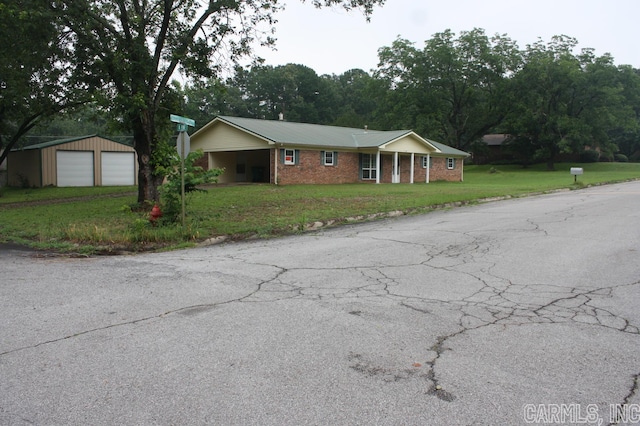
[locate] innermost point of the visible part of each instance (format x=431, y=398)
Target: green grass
x=105, y=222
x=17, y=195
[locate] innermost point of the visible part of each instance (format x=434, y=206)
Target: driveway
x=522, y=311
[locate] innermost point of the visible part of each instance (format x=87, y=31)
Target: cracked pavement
x=455, y=317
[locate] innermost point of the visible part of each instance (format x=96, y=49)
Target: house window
x=451, y=163
x=369, y=166
x=425, y=162
x=289, y=156
x=328, y=158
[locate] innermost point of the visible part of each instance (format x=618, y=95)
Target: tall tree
x=130, y=49
x=34, y=71
x=627, y=135
x=565, y=101
x=455, y=89
x=293, y=90
x=357, y=98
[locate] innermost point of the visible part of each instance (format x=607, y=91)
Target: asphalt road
x=524, y=311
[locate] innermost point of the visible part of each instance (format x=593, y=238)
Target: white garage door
x=74, y=168
x=118, y=169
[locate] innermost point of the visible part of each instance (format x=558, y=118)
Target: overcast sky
x=332, y=41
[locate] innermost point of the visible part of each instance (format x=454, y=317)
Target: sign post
x=183, y=146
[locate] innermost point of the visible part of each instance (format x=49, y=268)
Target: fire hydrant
x=155, y=214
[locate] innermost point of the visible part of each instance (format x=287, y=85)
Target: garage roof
x=61, y=141
x=284, y=132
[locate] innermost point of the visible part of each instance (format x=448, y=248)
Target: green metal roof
x=61, y=141
x=317, y=135
x=448, y=150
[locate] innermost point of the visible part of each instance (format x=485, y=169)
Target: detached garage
x=82, y=161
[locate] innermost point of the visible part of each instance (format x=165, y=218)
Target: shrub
x=589, y=156
x=606, y=157
x=621, y=158
x=171, y=191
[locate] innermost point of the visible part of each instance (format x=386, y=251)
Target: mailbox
x=575, y=171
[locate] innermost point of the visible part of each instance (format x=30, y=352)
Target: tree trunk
x=144, y=135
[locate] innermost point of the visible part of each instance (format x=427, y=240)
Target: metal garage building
x=81, y=161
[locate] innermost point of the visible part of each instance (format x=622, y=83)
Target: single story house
x=495, y=149
x=281, y=152
x=81, y=161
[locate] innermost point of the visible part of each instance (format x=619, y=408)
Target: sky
x=332, y=41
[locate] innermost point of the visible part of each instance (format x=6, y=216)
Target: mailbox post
x=575, y=171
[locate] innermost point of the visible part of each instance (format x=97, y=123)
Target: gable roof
x=65, y=140
x=316, y=135
x=495, y=139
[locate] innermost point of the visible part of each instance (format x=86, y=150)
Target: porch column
x=413, y=159
x=428, y=167
x=275, y=166
x=378, y=167
x=395, y=169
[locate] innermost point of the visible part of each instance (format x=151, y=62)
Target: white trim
x=293, y=157
x=324, y=159
x=378, y=166
x=453, y=163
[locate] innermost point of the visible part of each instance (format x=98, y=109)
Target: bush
x=589, y=156
x=606, y=157
x=621, y=158
x=171, y=191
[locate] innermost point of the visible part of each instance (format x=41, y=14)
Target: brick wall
x=439, y=170
x=310, y=169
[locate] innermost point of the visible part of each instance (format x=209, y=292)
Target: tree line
x=112, y=64
x=549, y=99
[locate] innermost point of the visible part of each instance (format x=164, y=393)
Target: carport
x=242, y=166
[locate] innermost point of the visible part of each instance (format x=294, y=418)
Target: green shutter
x=322, y=158
x=335, y=158
x=281, y=155
x=296, y=156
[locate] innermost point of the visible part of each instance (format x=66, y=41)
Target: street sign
x=183, y=144
x=182, y=120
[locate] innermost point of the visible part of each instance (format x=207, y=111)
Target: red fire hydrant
x=155, y=214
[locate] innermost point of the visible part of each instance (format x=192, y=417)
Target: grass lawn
x=60, y=219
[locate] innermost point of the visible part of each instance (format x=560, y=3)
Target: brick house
x=280, y=152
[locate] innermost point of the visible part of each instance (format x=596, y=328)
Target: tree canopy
x=119, y=58
x=127, y=52
x=35, y=74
